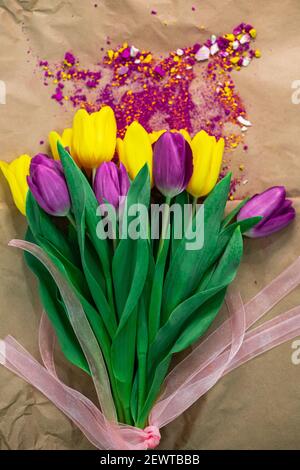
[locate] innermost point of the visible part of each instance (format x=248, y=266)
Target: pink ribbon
x=227, y=347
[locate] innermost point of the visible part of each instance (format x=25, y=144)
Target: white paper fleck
x=213, y=38
x=235, y=45
x=202, y=54
x=133, y=51
x=244, y=121
x=244, y=129
x=245, y=38
x=137, y=61
x=179, y=52
x=246, y=61
x=214, y=49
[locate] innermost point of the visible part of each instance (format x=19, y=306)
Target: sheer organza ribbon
x=227, y=347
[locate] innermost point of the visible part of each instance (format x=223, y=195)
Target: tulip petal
x=105, y=129
x=106, y=184
x=202, y=147
x=173, y=163
x=48, y=185
x=138, y=150
x=123, y=180
x=120, y=147
x=53, y=138
x=15, y=174
x=111, y=183
x=83, y=138
x=274, y=224
x=284, y=208
x=186, y=135
x=264, y=204
x=38, y=196
x=67, y=137
x=216, y=162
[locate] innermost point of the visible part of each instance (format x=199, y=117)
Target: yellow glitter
x=110, y=54
x=230, y=37
x=148, y=59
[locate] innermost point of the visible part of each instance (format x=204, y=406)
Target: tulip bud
x=48, y=185
x=272, y=205
x=111, y=183
x=172, y=163
x=207, y=160
x=94, y=137
x=135, y=150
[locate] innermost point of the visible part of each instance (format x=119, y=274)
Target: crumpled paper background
x=256, y=406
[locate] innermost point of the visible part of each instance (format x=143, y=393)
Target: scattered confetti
x=244, y=121
x=191, y=88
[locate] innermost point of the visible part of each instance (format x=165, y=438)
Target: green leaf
x=130, y=269
x=234, y=212
x=53, y=241
x=156, y=291
x=182, y=328
x=56, y=311
x=82, y=194
x=182, y=199
x=142, y=352
x=223, y=239
x=190, y=265
x=84, y=206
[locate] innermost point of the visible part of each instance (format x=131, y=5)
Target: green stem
x=158, y=277
x=142, y=352
x=194, y=207
x=165, y=224
x=71, y=220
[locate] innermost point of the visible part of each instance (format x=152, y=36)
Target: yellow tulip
x=207, y=160
x=16, y=173
x=94, y=137
x=135, y=150
x=65, y=139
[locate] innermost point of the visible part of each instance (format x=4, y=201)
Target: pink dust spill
x=180, y=91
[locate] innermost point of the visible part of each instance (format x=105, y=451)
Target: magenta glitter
x=69, y=58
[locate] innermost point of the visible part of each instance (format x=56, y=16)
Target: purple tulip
x=172, y=163
x=48, y=185
x=111, y=183
x=272, y=205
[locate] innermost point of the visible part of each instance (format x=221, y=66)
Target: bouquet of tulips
x=136, y=229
